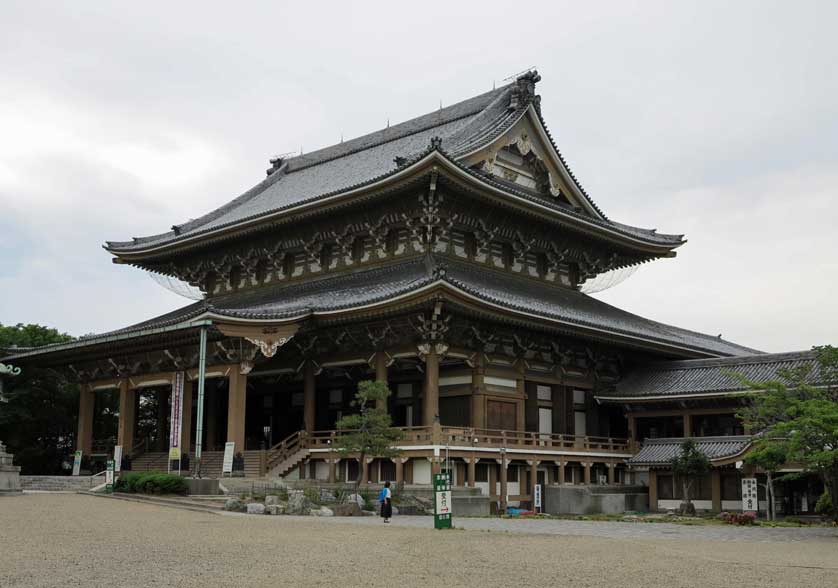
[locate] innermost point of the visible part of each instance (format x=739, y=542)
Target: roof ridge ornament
x=523, y=91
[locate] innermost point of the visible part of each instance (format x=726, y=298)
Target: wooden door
x=501, y=415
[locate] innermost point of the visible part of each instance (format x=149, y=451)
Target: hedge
x=151, y=483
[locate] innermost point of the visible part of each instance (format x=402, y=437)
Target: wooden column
x=186, y=425
x=533, y=479
x=688, y=425
x=472, y=472
x=430, y=403
x=399, y=470
x=365, y=470
x=520, y=412
x=309, y=391
x=493, y=481
x=653, y=490
x=162, y=442
x=587, y=466
x=561, y=465
x=236, y=404
x=611, y=467
x=332, y=470
x=211, y=417
x=84, y=439
x=503, y=490
x=381, y=376
x=632, y=431
x=478, y=389
x=716, y=489
x=127, y=417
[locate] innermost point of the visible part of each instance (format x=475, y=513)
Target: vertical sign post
x=750, y=499
x=76, y=463
x=117, y=458
x=109, y=476
x=537, y=498
x=229, y=451
x=176, y=419
x=442, y=504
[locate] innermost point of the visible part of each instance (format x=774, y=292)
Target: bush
x=824, y=504
x=739, y=518
x=341, y=495
x=151, y=483
x=313, y=494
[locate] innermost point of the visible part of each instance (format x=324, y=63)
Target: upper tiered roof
x=451, y=133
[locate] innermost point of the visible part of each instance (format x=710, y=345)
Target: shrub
x=824, y=504
x=313, y=494
x=739, y=518
x=369, y=499
x=341, y=495
x=151, y=483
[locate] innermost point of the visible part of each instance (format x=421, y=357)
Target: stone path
x=613, y=530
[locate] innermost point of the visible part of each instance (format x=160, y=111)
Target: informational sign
x=229, y=451
x=442, y=504
x=76, y=463
x=117, y=458
x=176, y=416
x=537, y=497
x=109, y=475
x=750, y=501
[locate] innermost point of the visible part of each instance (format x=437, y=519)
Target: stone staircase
x=60, y=483
x=212, y=463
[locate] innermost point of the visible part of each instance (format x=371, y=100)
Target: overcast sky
x=714, y=119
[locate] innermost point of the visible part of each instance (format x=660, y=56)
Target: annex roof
x=568, y=310
x=661, y=452
x=303, y=179
x=702, y=377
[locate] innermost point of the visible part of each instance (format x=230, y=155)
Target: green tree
x=39, y=420
x=688, y=465
x=369, y=431
x=769, y=457
x=797, y=416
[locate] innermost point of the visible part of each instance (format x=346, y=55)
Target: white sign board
x=76, y=463
x=750, y=501
x=229, y=449
x=117, y=458
x=443, y=502
x=176, y=417
x=109, y=474
x=537, y=497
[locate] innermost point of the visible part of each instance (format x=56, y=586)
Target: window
x=481, y=472
x=544, y=392
x=666, y=488
x=512, y=473
x=731, y=486
x=578, y=397
x=580, y=423
x=405, y=391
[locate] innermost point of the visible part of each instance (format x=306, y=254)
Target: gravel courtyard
x=75, y=540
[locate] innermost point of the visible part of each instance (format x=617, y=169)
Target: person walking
x=385, y=497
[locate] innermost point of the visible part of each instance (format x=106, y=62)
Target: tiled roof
x=659, y=452
x=463, y=127
x=698, y=377
x=576, y=312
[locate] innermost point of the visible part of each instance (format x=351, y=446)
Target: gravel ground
x=74, y=540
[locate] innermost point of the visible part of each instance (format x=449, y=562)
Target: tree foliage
x=369, y=431
x=38, y=423
x=796, y=417
x=688, y=465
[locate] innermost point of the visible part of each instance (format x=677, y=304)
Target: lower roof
x=708, y=377
x=661, y=452
x=562, y=308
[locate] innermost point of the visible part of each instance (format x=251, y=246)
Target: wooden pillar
x=478, y=389
x=430, y=406
x=365, y=470
x=653, y=490
x=611, y=467
x=399, y=470
x=309, y=392
x=84, y=439
x=716, y=489
x=186, y=425
x=162, y=441
x=381, y=376
x=211, y=417
x=587, y=466
x=561, y=465
x=472, y=472
x=236, y=404
x=332, y=470
x=503, y=490
x=533, y=479
x=520, y=412
x=127, y=417
x=632, y=431
x=688, y=425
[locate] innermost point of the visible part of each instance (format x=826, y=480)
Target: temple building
x=452, y=257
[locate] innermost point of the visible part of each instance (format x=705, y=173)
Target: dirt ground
x=75, y=540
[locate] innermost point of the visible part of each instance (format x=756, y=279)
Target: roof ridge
x=682, y=364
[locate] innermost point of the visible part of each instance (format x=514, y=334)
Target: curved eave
x=422, y=165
